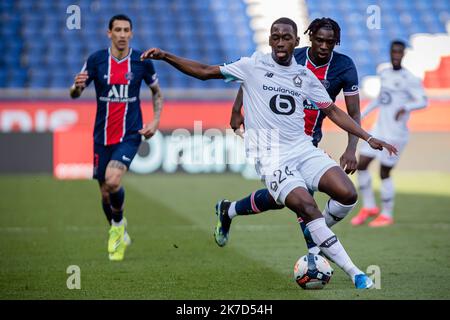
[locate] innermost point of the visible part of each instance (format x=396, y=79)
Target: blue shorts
x=123, y=152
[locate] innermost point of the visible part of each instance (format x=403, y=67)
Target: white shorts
x=383, y=155
x=303, y=168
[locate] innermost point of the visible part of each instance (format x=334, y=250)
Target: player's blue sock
x=258, y=201
x=107, y=210
x=117, y=199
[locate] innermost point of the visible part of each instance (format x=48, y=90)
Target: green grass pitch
x=48, y=225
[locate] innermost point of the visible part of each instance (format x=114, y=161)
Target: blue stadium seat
x=6, y=6
x=25, y=6
x=3, y=78
x=17, y=79
x=29, y=29
x=39, y=79
x=441, y=5
x=60, y=78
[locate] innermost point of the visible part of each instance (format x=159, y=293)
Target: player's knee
x=112, y=184
x=348, y=195
x=352, y=196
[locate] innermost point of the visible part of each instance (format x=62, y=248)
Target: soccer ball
x=312, y=271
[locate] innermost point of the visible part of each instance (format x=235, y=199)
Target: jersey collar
x=312, y=63
x=123, y=59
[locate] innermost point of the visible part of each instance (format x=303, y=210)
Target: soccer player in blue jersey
x=289, y=164
x=336, y=72
x=117, y=73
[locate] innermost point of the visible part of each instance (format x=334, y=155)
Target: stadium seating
x=41, y=52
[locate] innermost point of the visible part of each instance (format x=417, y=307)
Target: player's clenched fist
x=80, y=79
x=153, y=53
x=236, y=121
x=149, y=129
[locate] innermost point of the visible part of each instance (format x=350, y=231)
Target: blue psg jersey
x=117, y=86
x=336, y=75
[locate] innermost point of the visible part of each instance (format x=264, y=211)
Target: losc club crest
x=297, y=81
x=129, y=76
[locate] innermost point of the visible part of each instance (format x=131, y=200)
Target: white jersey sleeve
x=239, y=70
x=316, y=92
x=418, y=98
x=370, y=107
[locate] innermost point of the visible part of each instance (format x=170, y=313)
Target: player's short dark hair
x=326, y=23
x=285, y=20
x=121, y=17
x=398, y=43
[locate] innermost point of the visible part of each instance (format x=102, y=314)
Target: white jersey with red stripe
x=400, y=89
x=117, y=86
x=273, y=103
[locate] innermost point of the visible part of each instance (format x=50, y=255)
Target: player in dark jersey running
x=337, y=72
x=117, y=73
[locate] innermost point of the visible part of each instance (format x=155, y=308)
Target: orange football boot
x=363, y=215
x=381, y=221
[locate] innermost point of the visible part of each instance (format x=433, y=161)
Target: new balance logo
x=268, y=75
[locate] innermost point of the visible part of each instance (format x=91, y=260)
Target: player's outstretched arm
x=237, y=119
x=193, y=68
x=344, y=121
x=419, y=100
x=79, y=84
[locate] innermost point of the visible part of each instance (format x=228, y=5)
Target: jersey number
x=282, y=104
x=281, y=177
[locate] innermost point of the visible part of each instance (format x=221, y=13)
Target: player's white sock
x=335, y=211
x=331, y=246
x=387, y=196
x=365, y=187
x=232, y=210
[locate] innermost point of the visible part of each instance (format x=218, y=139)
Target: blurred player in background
x=401, y=92
x=117, y=73
x=336, y=72
x=274, y=87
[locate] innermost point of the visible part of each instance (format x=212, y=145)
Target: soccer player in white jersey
x=275, y=87
x=401, y=92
